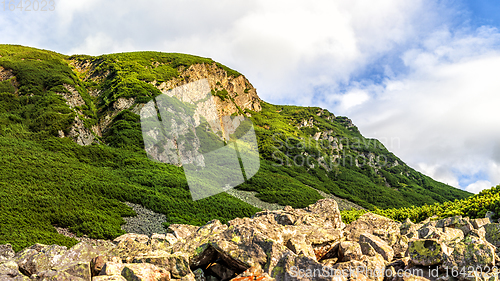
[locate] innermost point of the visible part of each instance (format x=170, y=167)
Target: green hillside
x=51, y=181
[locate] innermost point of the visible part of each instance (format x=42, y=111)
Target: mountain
x=72, y=149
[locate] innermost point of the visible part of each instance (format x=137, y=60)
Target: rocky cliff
x=232, y=94
x=289, y=244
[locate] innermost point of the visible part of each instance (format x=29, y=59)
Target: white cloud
x=478, y=186
x=444, y=109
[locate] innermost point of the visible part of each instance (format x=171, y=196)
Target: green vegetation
x=474, y=207
x=329, y=163
x=50, y=181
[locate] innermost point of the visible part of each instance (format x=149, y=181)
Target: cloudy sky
x=420, y=75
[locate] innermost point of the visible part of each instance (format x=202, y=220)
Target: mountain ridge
x=77, y=117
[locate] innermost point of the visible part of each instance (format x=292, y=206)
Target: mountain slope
x=72, y=148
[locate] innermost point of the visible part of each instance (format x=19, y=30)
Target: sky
x=419, y=75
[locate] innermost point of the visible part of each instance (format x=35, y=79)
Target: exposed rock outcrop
x=288, y=244
x=232, y=95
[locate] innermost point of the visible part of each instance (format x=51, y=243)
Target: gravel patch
x=250, y=198
x=146, y=222
x=66, y=232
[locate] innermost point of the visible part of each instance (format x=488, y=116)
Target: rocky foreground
x=288, y=244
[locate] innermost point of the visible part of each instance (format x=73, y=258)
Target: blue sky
x=423, y=71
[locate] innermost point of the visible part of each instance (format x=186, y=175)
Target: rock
x=427, y=252
x=128, y=249
x=458, y=222
x=409, y=229
x=492, y=234
x=368, y=268
x=39, y=258
x=161, y=241
x=371, y=223
x=349, y=250
x=447, y=235
x=478, y=223
x=378, y=245
x=177, y=264
x=288, y=244
x=329, y=210
x=140, y=238
x=298, y=245
x=10, y=271
x=400, y=246
x=473, y=252
x=96, y=265
x=76, y=269
x=112, y=268
x=6, y=252
x=56, y=276
x=367, y=249
x=223, y=272
x=181, y=231
x=109, y=278
x=145, y=272
x=199, y=275
x=489, y=215
x=293, y=267
x=253, y=273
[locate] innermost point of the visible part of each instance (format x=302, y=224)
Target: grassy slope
x=51, y=181
x=280, y=142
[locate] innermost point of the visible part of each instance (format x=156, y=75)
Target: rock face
x=232, y=95
x=288, y=244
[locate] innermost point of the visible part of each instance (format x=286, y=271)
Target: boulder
x=6, y=252
x=177, y=264
x=380, y=246
x=9, y=270
x=367, y=268
x=109, y=278
x=471, y=252
x=349, y=250
x=298, y=245
x=370, y=223
x=144, y=272
x=427, y=252
x=140, y=238
x=253, y=273
x=181, y=231
x=328, y=210
x=492, y=234
x=458, y=222
x=112, y=268
x=38, y=258
x=478, y=223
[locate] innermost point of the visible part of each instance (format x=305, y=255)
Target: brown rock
x=349, y=250
x=181, y=231
x=96, y=265
x=373, y=224
x=6, y=252
x=144, y=272
x=427, y=252
x=109, y=278
x=379, y=245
